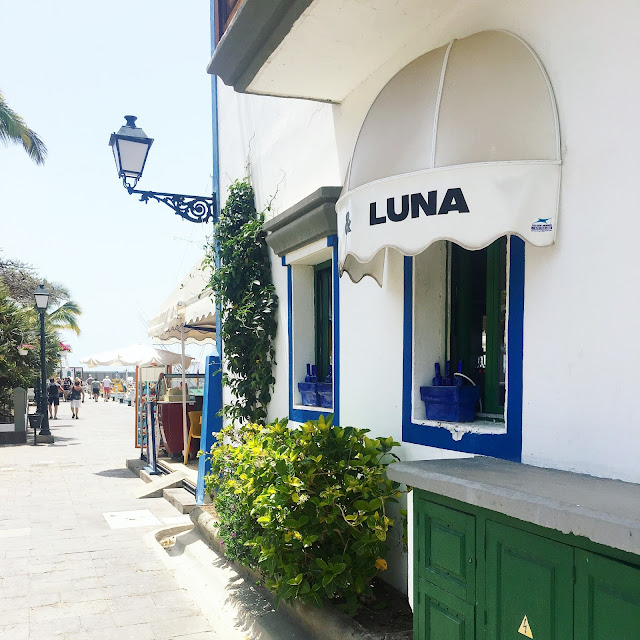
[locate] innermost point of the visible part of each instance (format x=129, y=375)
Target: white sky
x=72, y=70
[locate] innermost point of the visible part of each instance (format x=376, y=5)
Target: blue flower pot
x=309, y=393
x=325, y=394
x=450, y=404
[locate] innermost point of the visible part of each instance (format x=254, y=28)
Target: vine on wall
x=243, y=287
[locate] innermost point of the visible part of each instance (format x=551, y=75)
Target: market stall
x=187, y=316
x=150, y=363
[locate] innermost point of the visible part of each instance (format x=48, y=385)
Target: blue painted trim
x=507, y=446
x=284, y=261
x=212, y=401
x=302, y=415
x=211, y=419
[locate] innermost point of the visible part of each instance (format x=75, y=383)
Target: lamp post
x=41, y=296
x=130, y=149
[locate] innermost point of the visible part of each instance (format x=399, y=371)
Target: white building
x=507, y=125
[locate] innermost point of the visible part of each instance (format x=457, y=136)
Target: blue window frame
x=507, y=445
x=295, y=413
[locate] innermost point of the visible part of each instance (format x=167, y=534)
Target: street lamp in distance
x=130, y=149
x=41, y=297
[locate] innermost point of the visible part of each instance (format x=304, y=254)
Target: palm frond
x=13, y=129
x=65, y=317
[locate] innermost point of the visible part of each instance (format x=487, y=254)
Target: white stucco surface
x=581, y=350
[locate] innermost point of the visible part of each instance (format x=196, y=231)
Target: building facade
x=453, y=182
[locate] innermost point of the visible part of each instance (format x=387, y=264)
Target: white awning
x=136, y=355
x=190, y=305
x=462, y=144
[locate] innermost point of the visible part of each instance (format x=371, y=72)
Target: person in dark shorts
x=53, y=393
x=95, y=389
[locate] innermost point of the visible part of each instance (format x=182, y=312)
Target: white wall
x=581, y=345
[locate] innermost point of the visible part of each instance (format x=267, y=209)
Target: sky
x=72, y=70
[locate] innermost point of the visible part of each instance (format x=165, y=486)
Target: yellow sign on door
x=525, y=629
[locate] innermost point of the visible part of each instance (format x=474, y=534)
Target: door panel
x=439, y=615
x=445, y=544
x=527, y=575
x=607, y=599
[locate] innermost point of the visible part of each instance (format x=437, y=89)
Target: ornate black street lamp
x=41, y=296
x=130, y=149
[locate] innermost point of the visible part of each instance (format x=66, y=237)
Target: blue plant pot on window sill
x=309, y=393
x=325, y=395
x=450, y=404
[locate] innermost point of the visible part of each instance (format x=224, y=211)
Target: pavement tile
x=64, y=573
x=177, y=627
x=53, y=629
x=14, y=632
x=98, y=622
x=83, y=595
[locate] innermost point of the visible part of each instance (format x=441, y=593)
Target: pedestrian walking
x=66, y=388
x=95, y=389
x=53, y=393
x=76, y=396
x=106, y=385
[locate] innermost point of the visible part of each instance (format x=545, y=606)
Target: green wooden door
x=527, y=575
x=607, y=599
x=445, y=548
x=439, y=615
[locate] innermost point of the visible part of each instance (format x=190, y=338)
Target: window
x=313, y=303
x=323, y=315
x=477, y=320
x=466, y=306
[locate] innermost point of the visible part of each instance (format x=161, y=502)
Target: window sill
x=458, y=429
x=306, y=407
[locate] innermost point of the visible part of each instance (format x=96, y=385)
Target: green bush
x=307, y=503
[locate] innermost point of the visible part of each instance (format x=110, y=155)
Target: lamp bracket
x=191, y=208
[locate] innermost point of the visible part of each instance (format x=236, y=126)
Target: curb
x=328, y=623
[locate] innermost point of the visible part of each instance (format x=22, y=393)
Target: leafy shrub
x=309, y=505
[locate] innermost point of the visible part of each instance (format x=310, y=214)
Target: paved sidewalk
x=65, y=572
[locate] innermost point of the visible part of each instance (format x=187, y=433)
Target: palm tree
x=65, y=317
x=14, y=129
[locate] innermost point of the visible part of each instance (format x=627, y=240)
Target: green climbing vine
x=243, y=287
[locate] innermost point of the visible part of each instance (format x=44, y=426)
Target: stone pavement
x=67, y=570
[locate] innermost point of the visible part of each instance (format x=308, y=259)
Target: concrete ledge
x=311, y=219
x=155, y=488
x=135, y=465
x=180, y=498
x=254, y=33
x=604, y=511
x=13, y=437
x=44, y=439
x=328, y=623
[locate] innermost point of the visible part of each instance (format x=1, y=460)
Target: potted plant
x=24, y=349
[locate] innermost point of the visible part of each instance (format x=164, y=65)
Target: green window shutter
x=478, y=319
x=323, y=310
x=494, y=390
